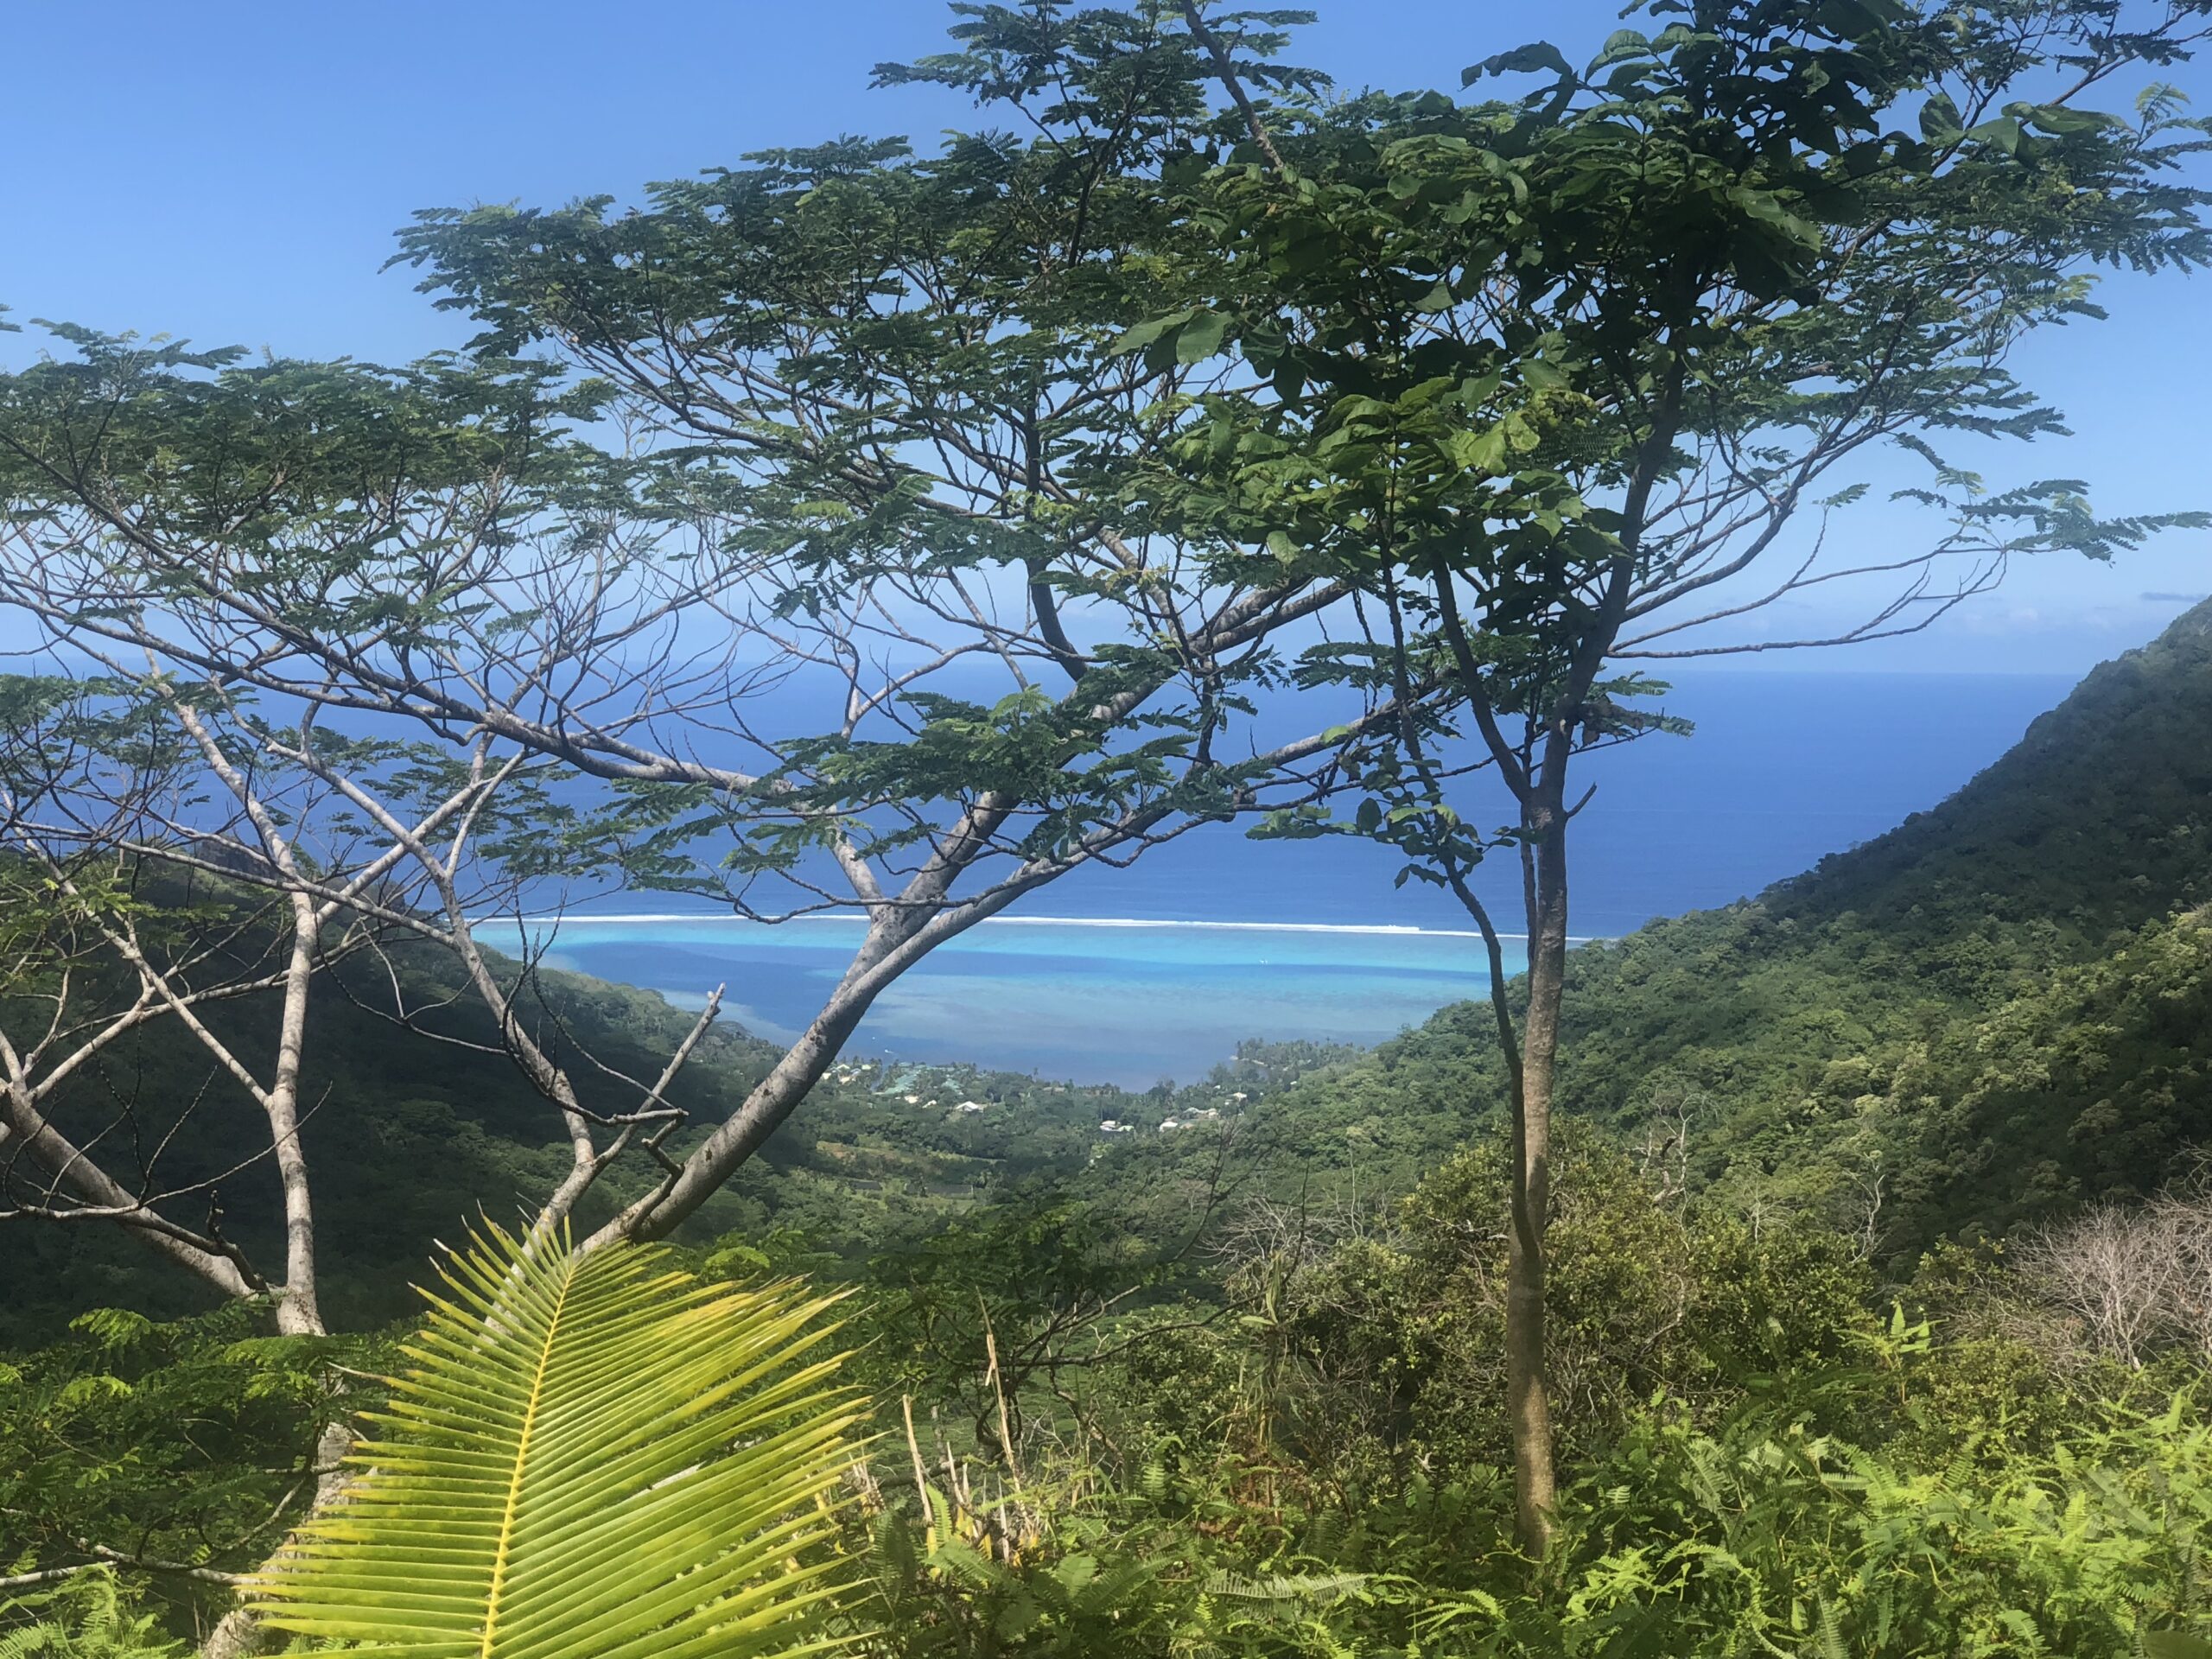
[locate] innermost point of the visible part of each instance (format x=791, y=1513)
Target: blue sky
x=231, y=171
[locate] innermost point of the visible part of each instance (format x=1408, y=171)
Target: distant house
x=1115, y=1126
x=971, y=1105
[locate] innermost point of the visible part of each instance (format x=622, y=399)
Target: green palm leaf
x=591, y=1457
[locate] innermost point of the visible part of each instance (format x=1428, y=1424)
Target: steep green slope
x=1987, y=1011
x=2099, y=1084
x=2000, y=1006
x=407, y=1137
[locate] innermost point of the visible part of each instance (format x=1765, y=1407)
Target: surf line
x=1388, y=930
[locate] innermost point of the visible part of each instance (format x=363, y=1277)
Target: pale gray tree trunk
x=1528, y=1412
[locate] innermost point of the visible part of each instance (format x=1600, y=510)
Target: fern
x=83, y=1616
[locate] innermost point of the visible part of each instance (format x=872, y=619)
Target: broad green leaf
x=1201, y=337
x=1523, y=60
x=1854, y=20
x=1479, y=452
x=1940, y=122
x=1146, y=332
x=2004, y=132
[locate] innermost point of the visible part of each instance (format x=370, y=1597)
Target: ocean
x=1159, y=970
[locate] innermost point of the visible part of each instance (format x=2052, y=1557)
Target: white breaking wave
x=1396, y=929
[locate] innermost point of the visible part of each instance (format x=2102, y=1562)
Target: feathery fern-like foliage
x=591, y=1457
x=86, y=1616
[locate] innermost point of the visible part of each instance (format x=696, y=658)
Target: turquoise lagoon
x=1162, y=969
x=1096, y=999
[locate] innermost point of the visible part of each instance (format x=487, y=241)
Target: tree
x=183, y=883
x=774, y=545
x=1570, y=383
x=876, y=448
x=176, y=864
x=133, y=831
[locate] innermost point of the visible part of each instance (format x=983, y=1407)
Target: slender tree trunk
x=299, y=1305
x=1529, y=1411
x=299, y=1310
x=776, y=1096
x=1536, y=771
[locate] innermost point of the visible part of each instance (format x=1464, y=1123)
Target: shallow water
x=1126, y=1001
x=1162, y=969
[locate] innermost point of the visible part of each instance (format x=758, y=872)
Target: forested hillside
x=411, y=1131
x=1996, y=1009
x=896, y=528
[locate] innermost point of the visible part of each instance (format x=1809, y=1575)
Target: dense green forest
x=1824, y=1274
x=1300, y=1283
x=1999, y=1007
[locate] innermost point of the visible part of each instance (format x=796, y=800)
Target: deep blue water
x=1784, y=768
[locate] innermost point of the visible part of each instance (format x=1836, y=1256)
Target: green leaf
x=1854, y=20
x=591, y=1455
x=1201, y=337
x=2004, y=132
x=1522, y=60
x=1147, y=333
x=1478, y=452
x=82, y=1391
x=114, y=1327
x=2059, y=119
x=1940, y=121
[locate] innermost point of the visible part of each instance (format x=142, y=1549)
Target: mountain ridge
x=1819, y=1043
x=1989, y=1013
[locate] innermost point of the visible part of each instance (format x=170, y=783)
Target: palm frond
x=591, y=1457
